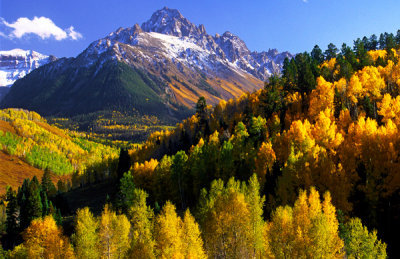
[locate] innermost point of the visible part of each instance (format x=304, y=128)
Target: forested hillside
x=245, y=178
x=26, y=138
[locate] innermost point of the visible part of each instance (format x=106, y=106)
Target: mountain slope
x=160, y=69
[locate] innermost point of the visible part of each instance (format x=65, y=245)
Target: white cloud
x=305, y=1
x=41, y=26
x=73, y=34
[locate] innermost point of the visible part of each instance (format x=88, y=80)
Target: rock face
x=160, y=68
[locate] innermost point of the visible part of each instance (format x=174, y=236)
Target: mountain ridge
x=177, y=66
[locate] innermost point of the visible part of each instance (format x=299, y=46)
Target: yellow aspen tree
x=309, y=230
x=113, y=234
x=191, y=238
x=321, y=97
x=168, y=233
x=44, y=239
x=264, y=161
x=354, y=89
x=141, y=216
x=85, y=238
x=226, y=221
x=390, y=109
x=256, y=204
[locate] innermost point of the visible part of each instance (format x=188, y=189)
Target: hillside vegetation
x=28, y=136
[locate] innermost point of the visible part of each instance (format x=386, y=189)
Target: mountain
x=16, y=63
x=160, y=68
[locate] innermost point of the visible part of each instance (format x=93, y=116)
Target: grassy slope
x=14, y=170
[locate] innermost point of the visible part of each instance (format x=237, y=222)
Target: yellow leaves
x=321, y=98
x=265, y=160
x=354, y=89
x=43, y=239
x=144, y=173
x=168, y=233
x=85, y=237
x=325, y=131
x=340, y=85
x=309, y=230
x=371, y=81
x=390, y=109
x=113, y=234
x=329, y=64
x=379, y=53
x=192, y=241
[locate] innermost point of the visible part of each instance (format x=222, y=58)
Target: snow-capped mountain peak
x=171, y=22
x=16, y=63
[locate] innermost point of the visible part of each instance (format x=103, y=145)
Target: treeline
x=28, y=136
x=228, y=223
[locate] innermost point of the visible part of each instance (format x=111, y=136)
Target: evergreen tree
x=124, y=163
x=372, y=43
x=271, y=98
x=45, y=204
x=317, y=54
x=330, y=52
x=12, y=213
x=125, y=197
x=34, y=201
x=179, y=176
x=47, y=185
x=57, y=217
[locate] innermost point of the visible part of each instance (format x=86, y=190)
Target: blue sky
x=293, y=25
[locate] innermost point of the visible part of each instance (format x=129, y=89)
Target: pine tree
x=34, y=201
x=124, y=163
x=47, y=185
x=12, y=227
x=125, y=196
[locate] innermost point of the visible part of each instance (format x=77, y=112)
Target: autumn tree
x=113, y=234
x=141, y=218
x=85, y=238
x=308, y=230
x=168, y=233
x=191, y=238
x=226, y=221
x=360, y=243
x=44, y=239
